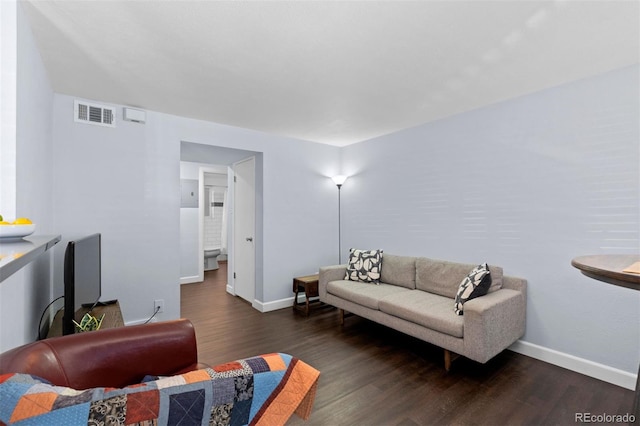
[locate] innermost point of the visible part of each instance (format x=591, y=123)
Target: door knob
x=249, y=239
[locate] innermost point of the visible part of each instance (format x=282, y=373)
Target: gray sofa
x=416, y=296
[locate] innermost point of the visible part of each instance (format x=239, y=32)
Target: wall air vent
x=100, y=115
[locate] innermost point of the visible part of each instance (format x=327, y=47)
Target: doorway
x=210, y=156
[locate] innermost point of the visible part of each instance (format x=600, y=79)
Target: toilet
x=211, y=258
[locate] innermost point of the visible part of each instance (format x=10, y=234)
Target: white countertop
x=15, y=254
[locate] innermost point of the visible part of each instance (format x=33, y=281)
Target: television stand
x=110, y=309
x=100, y=303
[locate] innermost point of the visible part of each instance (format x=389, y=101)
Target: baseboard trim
x=190, y=280
x=579, y=365
x=279, y=304
x=273, y=306
x=141, y=321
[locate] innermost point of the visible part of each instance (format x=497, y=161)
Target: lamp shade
x=339, y=179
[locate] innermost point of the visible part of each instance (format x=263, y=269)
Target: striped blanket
x=264, y=390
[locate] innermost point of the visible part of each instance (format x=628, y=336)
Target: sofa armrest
x=493, y=322
x=328, y=274
x=115, y=357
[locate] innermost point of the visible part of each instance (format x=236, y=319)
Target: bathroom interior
x=215, y=220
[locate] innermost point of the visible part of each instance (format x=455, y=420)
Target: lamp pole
x=339, y=180
x=339, y=230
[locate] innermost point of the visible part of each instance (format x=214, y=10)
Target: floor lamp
x=339, y=180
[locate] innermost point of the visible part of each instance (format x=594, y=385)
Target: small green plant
x=89, y=323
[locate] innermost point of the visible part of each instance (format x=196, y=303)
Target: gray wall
x=527, y=184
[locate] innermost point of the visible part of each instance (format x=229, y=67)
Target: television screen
x=82, y=278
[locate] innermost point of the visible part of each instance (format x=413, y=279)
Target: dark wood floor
x=371, y=375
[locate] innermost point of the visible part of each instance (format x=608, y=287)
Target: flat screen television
x=82, y=278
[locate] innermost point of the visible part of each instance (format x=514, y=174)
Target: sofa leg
x=448, y=359
x=343, y=315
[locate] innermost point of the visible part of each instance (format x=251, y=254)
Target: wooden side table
x=308, y=284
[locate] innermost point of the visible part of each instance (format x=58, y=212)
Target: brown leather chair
x=114, y=357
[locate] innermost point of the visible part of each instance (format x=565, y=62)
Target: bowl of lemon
x=21, y=227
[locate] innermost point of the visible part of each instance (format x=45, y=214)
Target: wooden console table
x=112, y=318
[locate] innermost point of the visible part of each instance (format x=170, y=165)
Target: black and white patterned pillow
x=364, y=266
x=474, y=285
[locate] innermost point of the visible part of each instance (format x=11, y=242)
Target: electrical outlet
x=158, y=305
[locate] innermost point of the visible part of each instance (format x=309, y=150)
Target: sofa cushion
x=443, y=277
x=364, y=294
x=475, y=284
x=399, y=270
x=425, y=309
x=364, y=266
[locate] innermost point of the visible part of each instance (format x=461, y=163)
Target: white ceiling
x=334, y=72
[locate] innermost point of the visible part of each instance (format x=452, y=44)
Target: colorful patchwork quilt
x=264, y=390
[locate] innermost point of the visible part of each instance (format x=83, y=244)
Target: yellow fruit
x=22, y=221
x=4, y=223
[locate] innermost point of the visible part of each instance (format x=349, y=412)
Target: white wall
x=28, y=189
x=299, y=224
x=8, y=105
x=189, y=229
x=527, y=184
x=123, y=182
x=34, y=168
x=212, y=232
x=189, y=243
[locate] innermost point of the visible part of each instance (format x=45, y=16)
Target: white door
x=244, y=229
